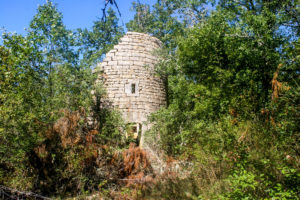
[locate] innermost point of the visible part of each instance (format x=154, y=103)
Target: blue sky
x=15, y=15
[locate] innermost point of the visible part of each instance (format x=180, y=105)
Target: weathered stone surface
x=128, y=74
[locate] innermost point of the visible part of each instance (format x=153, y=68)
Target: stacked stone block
x=130, y=80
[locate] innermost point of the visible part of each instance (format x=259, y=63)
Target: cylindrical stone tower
x=130, y=80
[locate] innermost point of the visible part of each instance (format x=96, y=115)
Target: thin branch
x=112, y=2
x=10, y=193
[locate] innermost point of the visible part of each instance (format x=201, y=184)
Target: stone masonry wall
x=128, y=75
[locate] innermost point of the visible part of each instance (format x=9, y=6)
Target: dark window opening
x=133, y=88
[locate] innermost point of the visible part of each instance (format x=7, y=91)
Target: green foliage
x=95, y=43
x=143, y=19
x=243, y=185
x=20, y=99
x=233, y=102
x=247, y=185
x=45, y=100
x=68, y=82
x=159, y=22
x=232, y=56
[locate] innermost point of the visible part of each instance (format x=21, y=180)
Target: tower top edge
x=145, y=35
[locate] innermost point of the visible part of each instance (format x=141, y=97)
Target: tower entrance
x=134, y=132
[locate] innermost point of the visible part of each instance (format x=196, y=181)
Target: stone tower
x=132, y=86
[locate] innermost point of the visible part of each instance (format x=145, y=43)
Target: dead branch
x=10, y=193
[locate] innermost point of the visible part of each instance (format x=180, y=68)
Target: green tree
x=63, y=75
x=233, y=101
x=41, y=75
x=95, y=43
x=21, y=104
x=143, y=18
x=159, y=22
